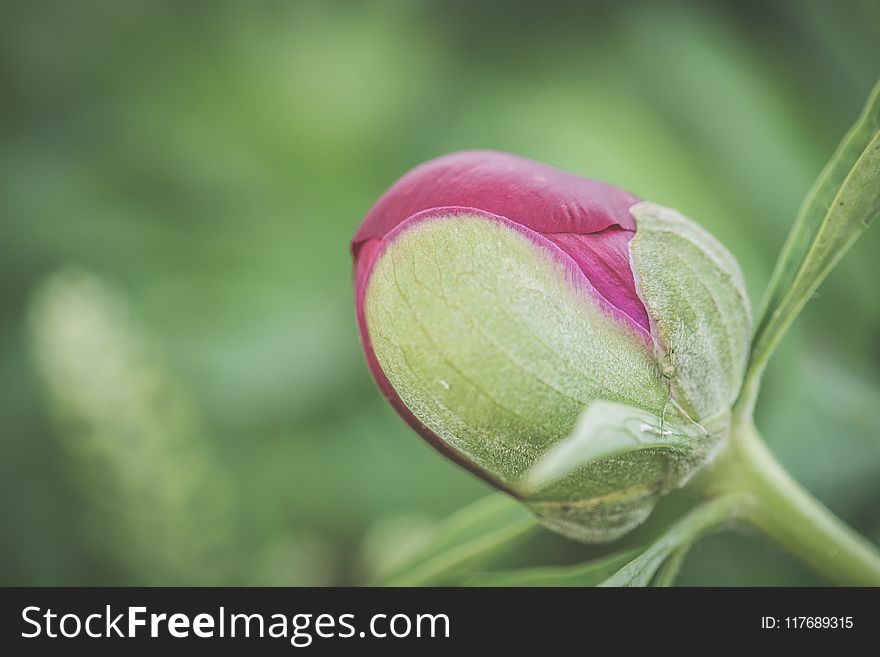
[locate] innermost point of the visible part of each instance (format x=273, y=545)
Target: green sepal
x=696, y=297
x=645, y=455
x=495, y=345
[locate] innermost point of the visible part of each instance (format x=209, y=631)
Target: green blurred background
x=182, y=394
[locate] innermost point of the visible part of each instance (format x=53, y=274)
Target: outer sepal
x=643, y=454
x=696, y=298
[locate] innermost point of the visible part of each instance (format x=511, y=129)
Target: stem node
x=777, y=506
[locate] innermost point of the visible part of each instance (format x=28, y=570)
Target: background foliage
x=182, y=395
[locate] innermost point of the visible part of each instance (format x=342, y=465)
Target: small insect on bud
x=567, y=342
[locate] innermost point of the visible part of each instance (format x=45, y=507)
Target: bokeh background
x=182, y=395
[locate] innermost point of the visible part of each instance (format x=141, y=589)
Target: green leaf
x=668, y=571
x=842, y=203
x=589, y=573
x=651, y=567
x=657, y=564
x=609, y=429
x=464, y=542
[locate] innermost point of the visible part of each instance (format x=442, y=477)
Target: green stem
x=778, y=507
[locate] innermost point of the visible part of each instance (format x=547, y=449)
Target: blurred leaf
x=657, y=564
x=842, y=203
x=293, y=559
x=464, y=542
x=590, y=573
x=391, y=541
x=642, y=570
x=668, y=572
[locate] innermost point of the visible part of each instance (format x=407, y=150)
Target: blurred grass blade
x=464, y=542
x=648, y=567
x=589, y=573
x=133, y=442
x=843, y=202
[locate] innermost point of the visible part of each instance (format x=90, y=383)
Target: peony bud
x=498, y=299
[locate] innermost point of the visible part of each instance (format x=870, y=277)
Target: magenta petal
x=604, y=259
x=589, y=220
x=530, y=193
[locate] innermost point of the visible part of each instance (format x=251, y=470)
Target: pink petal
x=604, y=259
x=536, y=195
x=588, y=220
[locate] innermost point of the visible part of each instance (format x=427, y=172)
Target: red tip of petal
x=530, y=193
x=587, y=219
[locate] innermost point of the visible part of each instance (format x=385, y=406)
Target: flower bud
x=565, y=341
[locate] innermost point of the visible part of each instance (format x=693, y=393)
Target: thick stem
x=778, y=507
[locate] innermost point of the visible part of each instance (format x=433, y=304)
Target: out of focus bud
x=565, y=341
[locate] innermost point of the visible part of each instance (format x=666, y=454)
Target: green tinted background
x=182, y=394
